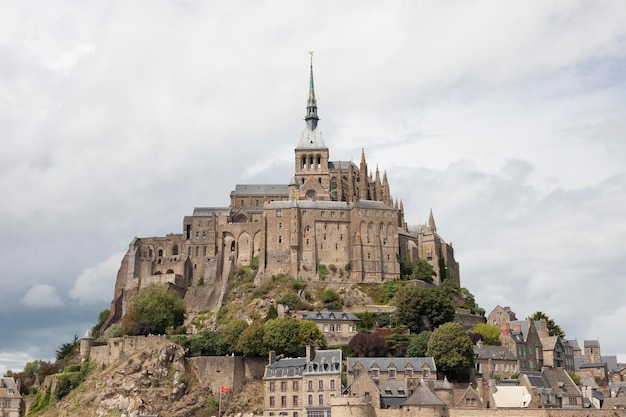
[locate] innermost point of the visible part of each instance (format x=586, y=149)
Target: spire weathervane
x=311, y=105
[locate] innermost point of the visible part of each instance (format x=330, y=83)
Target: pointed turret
x=339, y=183
x=386, y=191
x=431, y=221
x=363, y=180
x=311, y=104
x=378, y=186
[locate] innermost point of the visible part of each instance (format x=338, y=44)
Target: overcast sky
x=507, y=118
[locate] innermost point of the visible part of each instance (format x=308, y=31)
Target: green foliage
x=332, y=268
x=291, y=300
x=156, y=306
x=205, y=343
x=553, y=328
x=398, y=342
x=330, y=298
x=575, y=378
x=250, y=342
x=72, y=368
x=40, y=403
x=462, y=297
x=114, y=330
x=66, y=383
x=322, y=271
x=297, y=284
x=418, y=269
x=370, y=321
x=348, y=267
x=254, y=263
x=418, y=345
x=231, y=333
x=201, y=282
x=388, y=290
x=289, y=336
x=67, y=349
x=102, y=317
x=423, y=308
x=452, y=350
x=272, y=313
x=490, y=333
x=515, y=375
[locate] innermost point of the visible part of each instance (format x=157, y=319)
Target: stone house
x=331, y=213
x=338, y=327
x=557, y=354
x=10, y=397
x=302, y=387
x=553, y=388
x=384, y=369
x=500, y=315
x=494, y=361
x=521, y=338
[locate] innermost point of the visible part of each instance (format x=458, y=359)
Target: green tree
x=231, y=333
x=157, y=307
x=452, y=350
x=553, y=328
x=418, y=345
x=423, y=308
x=418, y=269
x=289, y=336
x=490, y=333
x=250, y=342
x=67, y=349
x=102, y=317
x=272, y=313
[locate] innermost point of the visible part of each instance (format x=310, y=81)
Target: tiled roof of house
x=393, y=388
x=591, y=344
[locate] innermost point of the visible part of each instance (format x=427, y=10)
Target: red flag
x=225, y=389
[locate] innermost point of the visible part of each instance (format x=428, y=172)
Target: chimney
x=310, y=352
x=479, y=343
x=517, y=327
x=272, y=357
x=506, y=328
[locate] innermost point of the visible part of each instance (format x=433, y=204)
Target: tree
x=368, y=345
x=67, y=349
x=490, y=333
x=102, y=317
x=419, y=269
x=553, y=328
x=157, y=307
x=418, y=346
x=289, y=336
x=231, y=333
x=452, y=350
x=423, y=308
x=250, y=342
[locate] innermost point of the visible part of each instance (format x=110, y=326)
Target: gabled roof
x=393, y=388
x=422, y=397
x=261, y=189
x=398, y=363
x=591, y=344
x=307, y=204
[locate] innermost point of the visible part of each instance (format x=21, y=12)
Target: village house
x=338, y=327
x=522, y=339
x=494, y=362
x=553, y=388
x=10, y=397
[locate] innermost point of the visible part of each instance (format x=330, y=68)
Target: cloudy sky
x=507, y=118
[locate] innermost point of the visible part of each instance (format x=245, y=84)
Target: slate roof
x=261, y=189
x=591, y=344
x=329, y=315
x=209, y=211
x=307, y=204
x=494, y=352
x=423, y=396
x=345, y=166
x=311, y=139
x=611, y=363
x=399, y=363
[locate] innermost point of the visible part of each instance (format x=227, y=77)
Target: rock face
x=156, y=382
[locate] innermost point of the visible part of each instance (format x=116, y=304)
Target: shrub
x=322, y=271
x=72, y=368
x=348, y=267
x=290, y=300
x=200, y=281
x=333, y=268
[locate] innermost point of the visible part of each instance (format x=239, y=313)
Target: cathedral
x=334, y=216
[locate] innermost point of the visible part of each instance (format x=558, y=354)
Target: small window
x=367, y=213
x=332, y=384
x=303, y=213
x=323, y=213
x=279, y=213
x=341, y=214
x=280, y=226
x=392, y=373
x=280, y=239
x=332, y=214
x=321, y=384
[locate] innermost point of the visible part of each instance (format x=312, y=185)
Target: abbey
x=335, y=215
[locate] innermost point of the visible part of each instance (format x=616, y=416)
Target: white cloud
x=41, y=296
x=94, y=284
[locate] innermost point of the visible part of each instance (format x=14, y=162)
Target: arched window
x=160, y=253
x=175, y=250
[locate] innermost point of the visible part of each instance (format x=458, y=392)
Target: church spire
x=431, y=221
x=311, y=104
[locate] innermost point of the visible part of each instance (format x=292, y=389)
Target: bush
x=348, y=267
x=322, y=271
x=114, y=330
x=291, y=300
x=72, y=368
x=333, y=268
x=297, y=285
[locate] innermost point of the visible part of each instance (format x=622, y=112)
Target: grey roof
x=307, y=204
x=578, y=360
x=537, y=379
x=345, y=165
x=209, y=211
x=329, y=315
x=611, y=363
x=311, y=139
x=398, y=363
x=592, y=365
x=393, y=388
x=372, y=204
x=494, y=352
x=285, y=367
x=325, y=361
x=574, y=344
x=423, y=396
x=261, y=189
x=591, y=344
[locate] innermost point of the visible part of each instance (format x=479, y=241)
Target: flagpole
x=219, y=409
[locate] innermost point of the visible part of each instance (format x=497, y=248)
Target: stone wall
x=214, y=372
x=118, y=348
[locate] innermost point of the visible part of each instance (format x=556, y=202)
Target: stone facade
x=10, y=398
x=332, y=213
x=302, y=387
x=521, y=338
x=338, y=327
